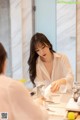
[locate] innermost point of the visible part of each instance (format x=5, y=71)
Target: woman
x=15, y=101
x=47, y=66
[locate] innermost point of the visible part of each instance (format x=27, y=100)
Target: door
x=45, y=19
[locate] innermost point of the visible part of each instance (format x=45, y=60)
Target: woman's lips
x=44, y=55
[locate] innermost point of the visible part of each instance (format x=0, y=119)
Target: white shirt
x=16, y=101
x=61, y=70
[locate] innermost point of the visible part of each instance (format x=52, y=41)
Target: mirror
x=61, y=20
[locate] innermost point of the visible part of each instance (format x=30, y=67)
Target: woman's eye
x=37, y=50
x=43, y=47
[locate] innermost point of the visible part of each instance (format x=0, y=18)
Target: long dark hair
x=36, y=38
x=3, y=56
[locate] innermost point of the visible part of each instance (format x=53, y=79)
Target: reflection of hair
x=37, y=38
x=3, y=56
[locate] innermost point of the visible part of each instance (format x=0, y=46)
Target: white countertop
x=57, y=110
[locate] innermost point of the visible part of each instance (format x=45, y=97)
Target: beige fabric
x=61, y=69
x=15, y=99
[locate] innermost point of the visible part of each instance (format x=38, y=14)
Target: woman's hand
x=40, y=100
x=56, y=85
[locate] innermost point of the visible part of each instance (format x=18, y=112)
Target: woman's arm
x=68, y=78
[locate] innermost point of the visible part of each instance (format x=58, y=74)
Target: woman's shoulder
x=5, y=79
x=10, y=82
x=17, y=87
x=60, y=55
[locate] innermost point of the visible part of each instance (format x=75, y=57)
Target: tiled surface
x=26, y=33
x=21, y=32
x=78, y=42
x=66, y=32
x=16, y=38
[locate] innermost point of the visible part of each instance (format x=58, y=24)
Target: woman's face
x=42, y=50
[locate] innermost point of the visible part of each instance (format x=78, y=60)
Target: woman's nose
x=41, y=52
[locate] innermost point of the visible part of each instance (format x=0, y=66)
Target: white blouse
x=16, y=101
x=61, y=70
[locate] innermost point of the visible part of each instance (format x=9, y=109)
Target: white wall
x=66, y=32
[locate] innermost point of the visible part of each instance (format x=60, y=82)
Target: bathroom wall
x=21, y=31
x=16, y=38
x=15, y=34
x=78, y=41
x=5, y=37
x=66, y=32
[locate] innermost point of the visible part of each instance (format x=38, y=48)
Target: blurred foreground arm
x=22, y=105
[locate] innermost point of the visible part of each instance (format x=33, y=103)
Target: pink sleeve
x=22, y=106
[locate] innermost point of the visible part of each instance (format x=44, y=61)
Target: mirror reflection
x=58, y=22
x=19, y=20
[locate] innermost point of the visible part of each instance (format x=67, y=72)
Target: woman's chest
x=49, y=68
